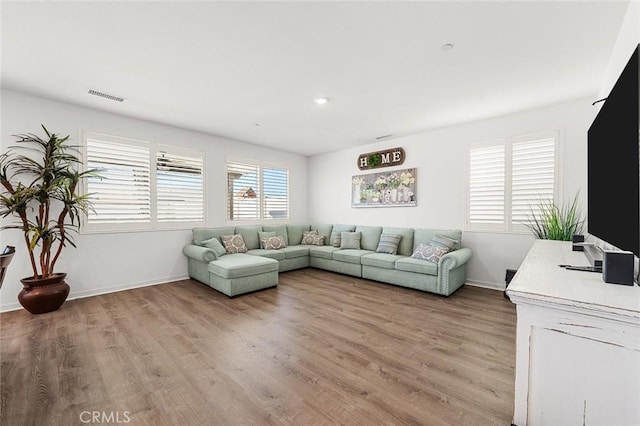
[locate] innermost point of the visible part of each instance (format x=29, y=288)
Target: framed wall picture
x=384, y=189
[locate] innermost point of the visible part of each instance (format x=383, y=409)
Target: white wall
x=626, y=43
x=439, y=157
x=109, y=262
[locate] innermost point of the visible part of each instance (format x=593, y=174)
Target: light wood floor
x=322, y=348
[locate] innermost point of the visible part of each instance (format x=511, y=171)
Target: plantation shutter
x=275, y=188
x=243, y=191
x=180, y=187
x=123, y=195
x=533, y=177
x=486, y=202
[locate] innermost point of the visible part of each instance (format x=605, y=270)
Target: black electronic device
x=613, y=199
x=584, y=268
x=577, y=239
x=617, y=267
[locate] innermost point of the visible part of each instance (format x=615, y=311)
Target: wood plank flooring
x=321, y=349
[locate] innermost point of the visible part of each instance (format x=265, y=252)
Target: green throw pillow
x=350, y=240
x=215, y=245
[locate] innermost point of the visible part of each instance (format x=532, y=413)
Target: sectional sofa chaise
x=360, y=254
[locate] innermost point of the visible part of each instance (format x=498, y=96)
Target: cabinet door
x=581, y=381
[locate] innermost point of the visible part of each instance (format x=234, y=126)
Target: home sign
x=386, y=158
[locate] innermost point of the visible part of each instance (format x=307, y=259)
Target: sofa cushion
x=425, y=236
x=215, y=245
x=370, y=237
x=202, y=234
x=294, y=234
x=405, y=247
x=420, y=266
x=234, y=243
x=291, y=252
x=273, y=243
x=250, y=235
x=389, y=243
x=325, y=252
x=262, y=235
x=336, y=233
x=325, y=231
x=280, y=230
x=381, y=260
x=242, y=265
x=350, y=255
x=350, y=240
x=271, y=254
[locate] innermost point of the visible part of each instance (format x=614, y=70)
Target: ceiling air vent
x=106, y=95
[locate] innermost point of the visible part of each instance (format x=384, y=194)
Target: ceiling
x=251, y=70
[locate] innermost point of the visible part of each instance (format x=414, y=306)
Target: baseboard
x=104, y=290
x=492, y=286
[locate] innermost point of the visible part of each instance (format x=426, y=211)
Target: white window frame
x=153, y=224
x=261, y=165
x=507, y=226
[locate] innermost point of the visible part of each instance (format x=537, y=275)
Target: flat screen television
x=613, y=192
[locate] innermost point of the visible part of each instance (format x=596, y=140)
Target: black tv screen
x=613, y=200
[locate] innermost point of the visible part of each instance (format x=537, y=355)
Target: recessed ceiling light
x=321, y=101
x=447, y=47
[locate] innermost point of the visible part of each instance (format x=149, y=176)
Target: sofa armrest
x=201, y=254
x=452, y=271
x=455, y=258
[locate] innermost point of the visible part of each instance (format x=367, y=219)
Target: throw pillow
x=234, y=243
x=336, y=238
x=265, y=234
x=350, y=240
x=273, y=243
x=389, y=243
x=313, y=239
x=442, y=241
x=215, y=245
x=430, y=252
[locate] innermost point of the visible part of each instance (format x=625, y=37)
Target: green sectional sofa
x=258, y=268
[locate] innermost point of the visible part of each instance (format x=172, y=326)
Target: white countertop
x=540, y=280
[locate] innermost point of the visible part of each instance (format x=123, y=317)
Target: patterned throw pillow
x=234, y=243
x=430, y=252
x=273, y=243
x=350, y=240
x=442, y=241
x=335, y=238
x=389, y=243
x=312, y=238
x=265, y=234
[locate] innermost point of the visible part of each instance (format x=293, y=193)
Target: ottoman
x=240, y=273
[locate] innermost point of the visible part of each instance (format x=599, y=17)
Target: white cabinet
x=578, y=343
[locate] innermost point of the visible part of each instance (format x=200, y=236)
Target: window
x=508, y=178
x=257, y=192
x=142, y=185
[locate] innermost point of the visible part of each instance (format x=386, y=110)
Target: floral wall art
x=384, y=189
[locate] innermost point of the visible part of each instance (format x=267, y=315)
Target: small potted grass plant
x=550, y=221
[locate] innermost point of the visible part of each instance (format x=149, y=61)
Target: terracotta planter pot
x=40, y=296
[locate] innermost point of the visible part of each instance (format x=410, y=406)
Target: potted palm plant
x=40, y=188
